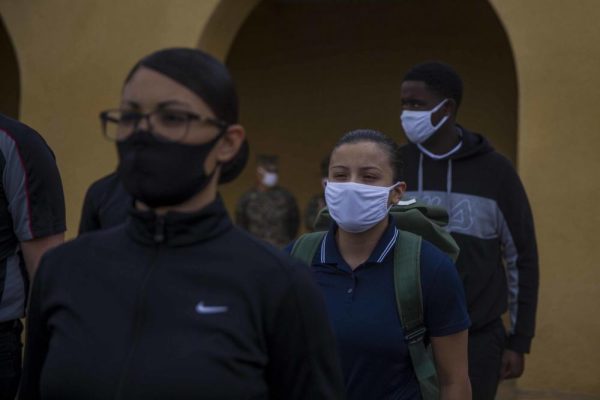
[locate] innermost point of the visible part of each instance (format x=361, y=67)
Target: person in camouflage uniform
x=316, y=202
x=268, y=211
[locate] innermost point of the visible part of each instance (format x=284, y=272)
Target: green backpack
x=423, y=221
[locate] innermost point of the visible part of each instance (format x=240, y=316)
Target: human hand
x=513, y=364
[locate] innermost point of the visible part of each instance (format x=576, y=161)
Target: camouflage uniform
x=271, y=215
x=315, y=204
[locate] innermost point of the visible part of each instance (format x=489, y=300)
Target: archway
x=9, y=75
x=308, y=71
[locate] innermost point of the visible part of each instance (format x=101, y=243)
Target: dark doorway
x=308, y=71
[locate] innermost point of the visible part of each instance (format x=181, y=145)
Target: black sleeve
x=521, y=260
x=89, y=212
x=31, y=183
x=36, y=345
x=302, y=351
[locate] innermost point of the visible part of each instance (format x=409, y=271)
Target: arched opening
x=9, y=75
x=308, y=71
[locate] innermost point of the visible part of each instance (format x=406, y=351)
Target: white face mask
x=356, y=207
x=269, y=179
x=417, y=124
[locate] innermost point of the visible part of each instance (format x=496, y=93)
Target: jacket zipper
x=139, y=312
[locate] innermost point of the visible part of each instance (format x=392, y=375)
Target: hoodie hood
x=473, y=144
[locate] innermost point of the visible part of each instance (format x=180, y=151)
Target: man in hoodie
x=490, y=219
x=267, y=210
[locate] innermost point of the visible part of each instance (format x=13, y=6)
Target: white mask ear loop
x=443, y=120
x=392, y=188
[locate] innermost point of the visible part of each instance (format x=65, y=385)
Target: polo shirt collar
x=330, y=253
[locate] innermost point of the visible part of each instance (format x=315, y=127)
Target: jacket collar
x=178, y=229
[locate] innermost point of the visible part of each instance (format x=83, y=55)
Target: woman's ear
x=397, y=193
x=230, y=144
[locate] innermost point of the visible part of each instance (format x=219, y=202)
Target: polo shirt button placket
x=350, y=290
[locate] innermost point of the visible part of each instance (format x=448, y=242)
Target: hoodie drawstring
x=449, y=192
x=449, y=177
x=449, y=202
x=420, y=187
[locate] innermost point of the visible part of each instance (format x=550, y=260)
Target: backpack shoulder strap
x=407, y=280
x=409, y=300
x=306, y=246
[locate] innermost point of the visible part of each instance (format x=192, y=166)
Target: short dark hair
x=388, y=145
x=201, y=73
x=267, y=159
x=439, y=77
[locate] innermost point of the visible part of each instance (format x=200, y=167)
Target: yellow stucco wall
x=74, y=54
x=557, y=53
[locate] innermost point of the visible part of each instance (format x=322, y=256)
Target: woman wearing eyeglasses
x=176, y=303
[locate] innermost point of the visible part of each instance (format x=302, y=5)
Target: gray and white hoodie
x=491, y=220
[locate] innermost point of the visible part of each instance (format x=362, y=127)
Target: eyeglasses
x=166, y=124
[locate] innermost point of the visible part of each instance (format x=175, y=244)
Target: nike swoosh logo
x=202, y=309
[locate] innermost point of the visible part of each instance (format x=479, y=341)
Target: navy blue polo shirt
x=362, y=309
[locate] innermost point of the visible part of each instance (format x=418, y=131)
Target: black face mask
x=160, y=173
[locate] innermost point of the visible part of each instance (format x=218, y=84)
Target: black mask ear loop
x=213, y=142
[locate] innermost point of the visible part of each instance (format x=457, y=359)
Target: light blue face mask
x=356, y=207
x=270, y=179
x=417, y=124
